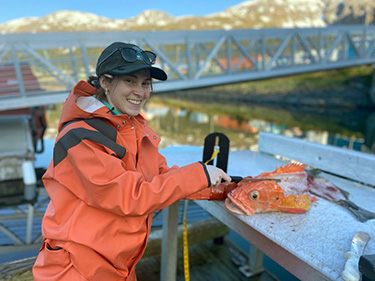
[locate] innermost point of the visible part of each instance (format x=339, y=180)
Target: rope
x=214, y=154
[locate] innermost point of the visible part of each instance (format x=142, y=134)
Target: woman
x=107, y=177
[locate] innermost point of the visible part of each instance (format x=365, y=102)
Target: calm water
x=182, y=122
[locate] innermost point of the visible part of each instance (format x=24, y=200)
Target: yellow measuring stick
x=214, y=154
x=186, y=252
x=185, y=242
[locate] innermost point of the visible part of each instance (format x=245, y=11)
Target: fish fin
x=292, y=210
x=286, y=169
x=296, y=204
x=344, y=192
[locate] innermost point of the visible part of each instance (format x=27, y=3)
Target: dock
x=208, y=261
x=294, y=242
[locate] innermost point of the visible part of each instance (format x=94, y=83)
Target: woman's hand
x=221, y=191
x=217, y=175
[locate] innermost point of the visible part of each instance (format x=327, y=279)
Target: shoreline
x=344, y=88
x=350, y=98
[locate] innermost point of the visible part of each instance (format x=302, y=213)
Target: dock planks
x=208, y=261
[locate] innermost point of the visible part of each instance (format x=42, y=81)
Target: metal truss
x=191, y=58
x=24, y=219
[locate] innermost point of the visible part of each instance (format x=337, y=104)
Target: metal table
x=311, y=246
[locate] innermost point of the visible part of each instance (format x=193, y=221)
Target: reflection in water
x=370, y=132
x=180, y=122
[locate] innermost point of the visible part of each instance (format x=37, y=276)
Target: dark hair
x=94, y=81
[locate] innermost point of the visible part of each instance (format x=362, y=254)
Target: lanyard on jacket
x=111, y=108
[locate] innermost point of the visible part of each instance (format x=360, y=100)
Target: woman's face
x=130, y=92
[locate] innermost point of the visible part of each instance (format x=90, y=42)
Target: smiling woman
x=127, y=94
x=107, y=176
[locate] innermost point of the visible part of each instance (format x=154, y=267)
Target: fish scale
x=294, y=183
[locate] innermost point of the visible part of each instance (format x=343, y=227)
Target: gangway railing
x=191, y=58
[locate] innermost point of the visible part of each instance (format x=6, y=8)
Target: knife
x=237, y=179
x=359, y=242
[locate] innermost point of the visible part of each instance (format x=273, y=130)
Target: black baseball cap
x=122, y=58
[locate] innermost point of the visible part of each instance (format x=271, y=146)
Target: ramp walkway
x=191, y=58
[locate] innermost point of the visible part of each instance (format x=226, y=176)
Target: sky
x=114, y=9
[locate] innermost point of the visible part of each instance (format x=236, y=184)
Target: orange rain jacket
x=105, y=181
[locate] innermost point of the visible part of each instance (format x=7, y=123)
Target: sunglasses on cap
x=132, y=55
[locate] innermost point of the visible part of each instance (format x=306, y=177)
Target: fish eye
x=254, y=195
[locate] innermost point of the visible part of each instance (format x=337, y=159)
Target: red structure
x=9, y=85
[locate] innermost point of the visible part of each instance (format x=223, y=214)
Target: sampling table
x=311, y=246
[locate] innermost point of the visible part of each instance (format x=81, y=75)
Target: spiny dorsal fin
x=288, y=168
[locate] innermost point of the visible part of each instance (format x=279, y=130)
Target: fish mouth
x=237, y=207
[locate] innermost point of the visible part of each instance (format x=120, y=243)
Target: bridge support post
x=372, y=86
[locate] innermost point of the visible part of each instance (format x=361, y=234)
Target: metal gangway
x=191, y=58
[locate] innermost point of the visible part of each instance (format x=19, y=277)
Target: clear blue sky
x=115, y=9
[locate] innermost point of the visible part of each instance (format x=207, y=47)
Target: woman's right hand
x=216, y=175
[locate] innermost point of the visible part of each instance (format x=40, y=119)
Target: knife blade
x=237, y=179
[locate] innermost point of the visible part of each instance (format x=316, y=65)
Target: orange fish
x=288, y=189
x=288, y=193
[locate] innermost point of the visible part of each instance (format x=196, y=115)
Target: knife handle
x=367, y=267
x=236, y=179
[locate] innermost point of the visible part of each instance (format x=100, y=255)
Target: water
x=181, y=122
x=186, y=119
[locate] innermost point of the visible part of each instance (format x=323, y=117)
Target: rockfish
x=288, y=189
x=285, y=190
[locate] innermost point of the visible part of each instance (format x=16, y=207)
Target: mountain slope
x=249, y=14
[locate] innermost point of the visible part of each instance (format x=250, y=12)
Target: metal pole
x=17, y=69
x=168, y=270
x=255, y=265
x=189, y=61
x=29, y=224
x=372, y=87
x=74, y=67
x=85, y=60
x=229, y=54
